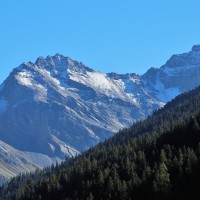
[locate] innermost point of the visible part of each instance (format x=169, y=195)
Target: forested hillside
x=157, y=158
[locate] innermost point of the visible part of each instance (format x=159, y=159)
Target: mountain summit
x=59, y=107
x=196, y=48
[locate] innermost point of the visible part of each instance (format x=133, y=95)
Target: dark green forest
x=156, y=158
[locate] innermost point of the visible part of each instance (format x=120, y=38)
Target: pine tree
x=161, y=183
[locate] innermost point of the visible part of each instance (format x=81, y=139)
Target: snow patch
x=98, y=81
x=52, y=147
x=66, y=149
x=91, y=133
x=27, y=79
x=24, y=78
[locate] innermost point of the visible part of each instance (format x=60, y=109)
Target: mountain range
x=156, y=158
x=58, y=107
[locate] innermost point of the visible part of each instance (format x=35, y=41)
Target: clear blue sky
x=107, y=35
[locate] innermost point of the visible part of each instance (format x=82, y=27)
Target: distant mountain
x=156, y=158
x=180, y=73
x=59, y=107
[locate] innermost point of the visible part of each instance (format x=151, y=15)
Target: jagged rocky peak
x=196, y=47
x=41, y=61
x=56, y=62
x=60, y=63
x=185, y=59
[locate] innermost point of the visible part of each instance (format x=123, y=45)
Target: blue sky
x=107, y=35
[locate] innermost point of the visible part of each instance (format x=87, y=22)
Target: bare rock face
x=59, y=107
x=14, y=162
